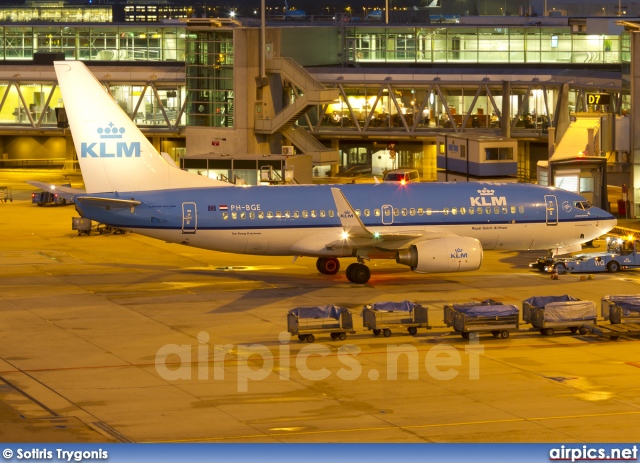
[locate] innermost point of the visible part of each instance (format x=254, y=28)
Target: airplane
x=430, y=227
x=293, y=14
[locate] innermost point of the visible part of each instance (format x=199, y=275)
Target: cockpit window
x=584, y=205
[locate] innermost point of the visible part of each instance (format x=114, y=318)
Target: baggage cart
x=382, y=317
x=306, y=322
x=450, y=309
x=499, y=320
x=613, y=332
x=82, y=225
x=568, y=315
x=621, y=308
x=541, y=301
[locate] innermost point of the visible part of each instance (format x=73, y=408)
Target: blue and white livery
x=430, y=227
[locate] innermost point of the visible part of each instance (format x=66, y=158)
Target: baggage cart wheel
x=547, y=331
x=377, y=332
x=334, y=335
x=573, y=329
x=302, y=337
x=342, y=336
x=386, y=332
x=310, y=338
x=473, y=335
x=613, y=338
x=582, y=330
x=504, y=334
x=495, y=333
x=413, y=330
x=465, y=335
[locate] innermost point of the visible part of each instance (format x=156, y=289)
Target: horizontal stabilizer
x=64, y=192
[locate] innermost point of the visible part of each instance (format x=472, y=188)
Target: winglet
x=348, y=218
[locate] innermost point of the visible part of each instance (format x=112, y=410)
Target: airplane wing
x=64, y=192
x=360, y=237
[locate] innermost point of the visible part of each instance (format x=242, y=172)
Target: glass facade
x=463, y=44
x=209, y=69
x=105, y=43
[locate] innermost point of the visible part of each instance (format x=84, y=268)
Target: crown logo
x=110, y=131
x=458, y=249
x=485, y=192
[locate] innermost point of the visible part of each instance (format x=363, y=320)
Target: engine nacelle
x=448, y=254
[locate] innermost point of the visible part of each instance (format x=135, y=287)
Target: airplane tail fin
x=114, y=154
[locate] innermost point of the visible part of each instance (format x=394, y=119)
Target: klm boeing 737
x=430, y=227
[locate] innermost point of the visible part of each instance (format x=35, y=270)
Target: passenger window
x=322, y=214
x=243, y=215
x=287, y=214
x=521, y=209
x=234, y=215
x=358, y=212
x=261, y=215
x=225, y=216
x=404, y=212
x=278, y=214
x=396, y=211
x=504, y=210
x=445, y=211
x=472, y=211
x=252, y=215
x=488, y=210
x=428, y=211
x=454, y=211
x=367, y=212
x=513, y=209
x=269, y=215
x=420, y=211
x=479, y=211
x=376, y=212
x=313, y=214
x=331, y=213
x=463, y=211
x=305, y=214
x=296, y=214
x=412, y=212
x=496, y=210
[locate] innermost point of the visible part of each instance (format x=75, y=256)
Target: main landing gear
x=356, y=273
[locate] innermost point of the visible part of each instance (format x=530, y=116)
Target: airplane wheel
x=350, y=269
x=328, y=265
x=360, y=274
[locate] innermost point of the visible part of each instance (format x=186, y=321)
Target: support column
x=505, y=128
x=634, y=77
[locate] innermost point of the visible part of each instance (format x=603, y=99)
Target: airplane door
x=387, y=215
x=551, y=204
x=189, y=218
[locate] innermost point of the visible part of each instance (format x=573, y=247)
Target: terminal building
x=514, y=98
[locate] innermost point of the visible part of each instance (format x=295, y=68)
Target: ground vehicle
x=42, y=198
x=402, y=175
x=620, y=254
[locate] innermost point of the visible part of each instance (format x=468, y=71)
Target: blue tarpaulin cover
x=404, y=306
x=541, y=301
x=487, y=310
x=628, y=306
x=319, y=311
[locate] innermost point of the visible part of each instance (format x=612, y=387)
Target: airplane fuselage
x=300, y=220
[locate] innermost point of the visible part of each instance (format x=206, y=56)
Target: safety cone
x=554, y=275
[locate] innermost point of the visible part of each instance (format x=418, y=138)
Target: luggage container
x=568, y=315
x=306, y=322
x=541, y=301
x=450, y=309
x=382, y=317
x=621, y=308
x=471, y=320
x=82, y=225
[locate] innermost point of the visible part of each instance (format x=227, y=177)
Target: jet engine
x=448, y=254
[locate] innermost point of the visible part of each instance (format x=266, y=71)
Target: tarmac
x=122, y=338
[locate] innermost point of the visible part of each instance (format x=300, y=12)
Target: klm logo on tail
x=105, y=149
